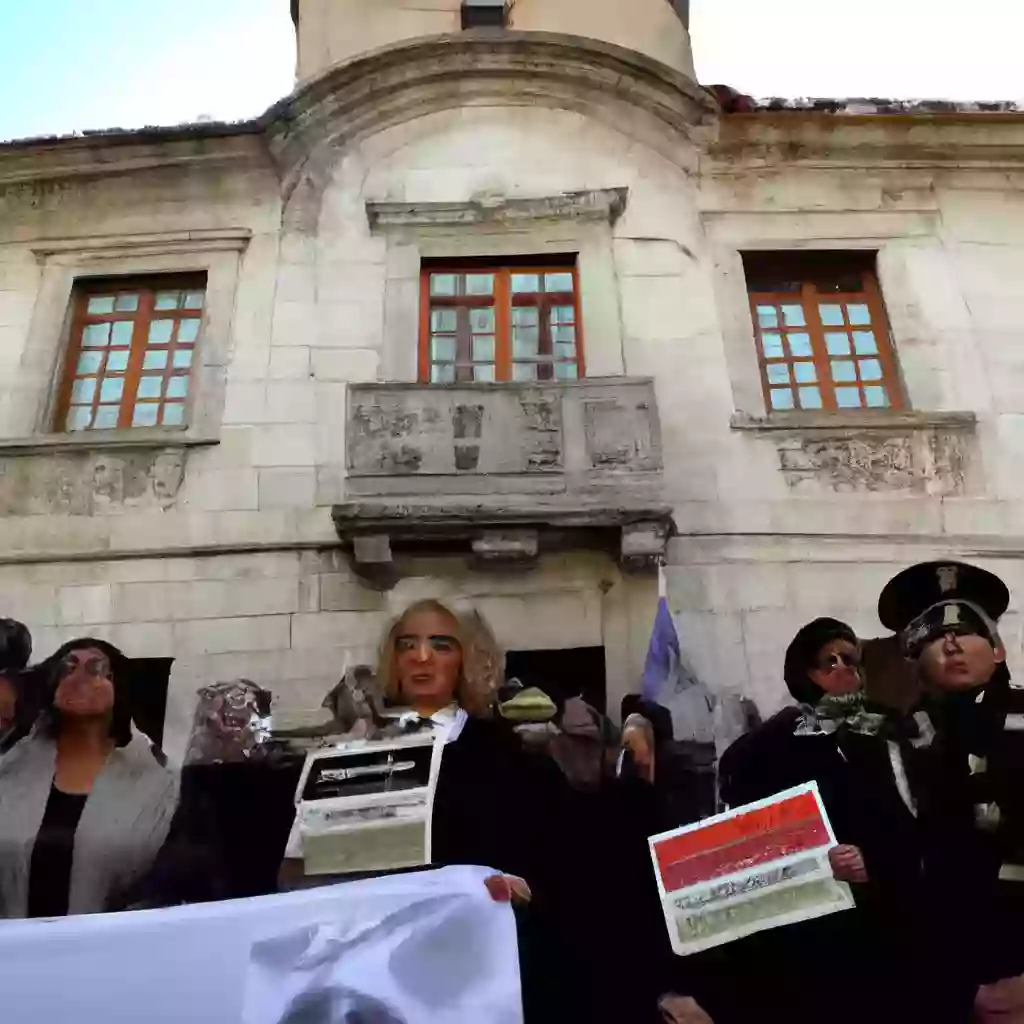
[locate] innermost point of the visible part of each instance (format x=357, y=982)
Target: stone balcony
x=504, y=471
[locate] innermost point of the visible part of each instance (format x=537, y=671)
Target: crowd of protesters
x=926, y=802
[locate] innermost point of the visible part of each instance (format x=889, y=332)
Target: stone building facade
x=287, y=475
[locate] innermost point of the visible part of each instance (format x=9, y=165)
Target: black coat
x=861, y=963
x=593, y=944
x=500, y=807
x=855, y=776
x=973, y=811
x=495, y=806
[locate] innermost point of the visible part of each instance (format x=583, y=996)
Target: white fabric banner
x=420, y=948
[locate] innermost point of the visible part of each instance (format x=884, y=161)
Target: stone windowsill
x=854, y=422
x=102, y=440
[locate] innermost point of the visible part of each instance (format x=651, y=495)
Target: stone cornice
x=808, y=138
x=411, y=80
x=97, y=442
x=854, y=422
x=109, y=153
x=145, y=243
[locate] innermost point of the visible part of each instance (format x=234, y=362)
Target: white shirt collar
x=452, y=718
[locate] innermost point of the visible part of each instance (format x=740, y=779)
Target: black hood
x=803, y=651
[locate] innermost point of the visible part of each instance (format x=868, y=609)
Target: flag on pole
x=668, y=681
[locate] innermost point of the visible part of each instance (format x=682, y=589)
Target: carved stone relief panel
x=447, y=431
x=922, y=462
x=90, y=483
x=619, y=435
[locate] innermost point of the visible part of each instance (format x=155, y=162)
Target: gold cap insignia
x=947, y=575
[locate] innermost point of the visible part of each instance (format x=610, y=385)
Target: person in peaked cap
x=972, y=804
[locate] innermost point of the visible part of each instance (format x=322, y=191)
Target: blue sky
x=67, y=65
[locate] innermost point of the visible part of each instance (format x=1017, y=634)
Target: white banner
x=420, y=948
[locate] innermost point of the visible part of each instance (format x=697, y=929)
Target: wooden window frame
x=809, y=298
x=147, y=287
x=503, y=301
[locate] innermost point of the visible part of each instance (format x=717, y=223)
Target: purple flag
x=668, y=681
x=663, y=655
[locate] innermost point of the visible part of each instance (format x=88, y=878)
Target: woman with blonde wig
x=495, y=804
x=433, y=658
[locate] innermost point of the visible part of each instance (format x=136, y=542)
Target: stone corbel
x=644, y=545
x=372, y=560
x=372, y=549
x=507, y=547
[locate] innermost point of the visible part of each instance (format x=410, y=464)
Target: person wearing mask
x=446, y=668
x=85, y=804
x=15, y=709
x=495, y=805
x=833, y=736
x=969, y=798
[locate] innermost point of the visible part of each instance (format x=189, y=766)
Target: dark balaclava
x=802, y=654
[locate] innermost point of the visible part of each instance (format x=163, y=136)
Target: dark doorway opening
x=562, y=673
x=148, y=679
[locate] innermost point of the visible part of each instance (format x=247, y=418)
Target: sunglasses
x=839, y=659
x=440, y=644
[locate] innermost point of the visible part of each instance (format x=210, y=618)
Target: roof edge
x=135, y=136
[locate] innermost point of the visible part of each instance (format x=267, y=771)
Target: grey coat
x=124, y=823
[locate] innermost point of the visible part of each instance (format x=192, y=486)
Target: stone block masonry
x=288, y=620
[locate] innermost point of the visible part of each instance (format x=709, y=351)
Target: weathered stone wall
x=881, y=497
x=291, y=620
x=738, y=600
x=213, y=555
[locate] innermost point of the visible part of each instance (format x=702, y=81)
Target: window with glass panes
x=131, y=352
x=485, y=323
x=822, y=333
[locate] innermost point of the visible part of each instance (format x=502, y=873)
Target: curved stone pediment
x=411, y=80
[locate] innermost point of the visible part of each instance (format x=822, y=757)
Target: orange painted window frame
x=800, y=267
x=502, y=301
x=141, y=319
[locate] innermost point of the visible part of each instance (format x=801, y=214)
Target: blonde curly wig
x=482, y=661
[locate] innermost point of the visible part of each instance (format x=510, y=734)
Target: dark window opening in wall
x=131, y=352
x=485, y=321
x=823, y=339
x=484, y=13
x=561, y=674
x=148, y=679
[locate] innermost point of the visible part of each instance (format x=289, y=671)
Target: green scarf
x=850, y=712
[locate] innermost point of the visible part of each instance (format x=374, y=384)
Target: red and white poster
x=750, y=869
